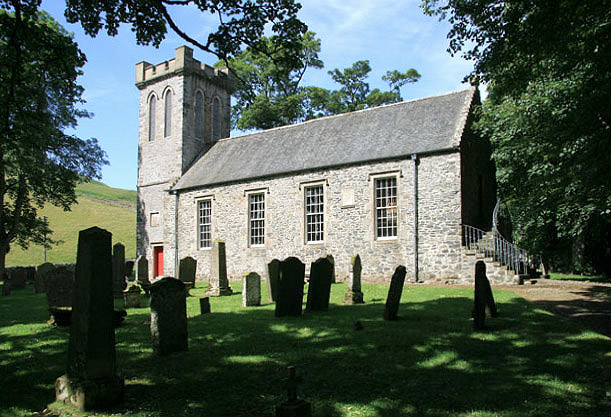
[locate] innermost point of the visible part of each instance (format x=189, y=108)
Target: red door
x=158, y=260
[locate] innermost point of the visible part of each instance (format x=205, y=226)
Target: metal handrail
x=493, y=245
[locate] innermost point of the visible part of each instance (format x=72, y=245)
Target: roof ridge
x=345, y=114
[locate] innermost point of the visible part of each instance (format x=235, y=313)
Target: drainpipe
x=415, y=159
x=175, y=192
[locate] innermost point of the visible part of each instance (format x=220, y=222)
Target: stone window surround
x=154, y=219
x=167, y=113
x=310, y=184
x=198, y=200
x=397, y=174
x=152, y=115
x=247, y=194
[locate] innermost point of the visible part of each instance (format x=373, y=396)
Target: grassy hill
x=99, y=205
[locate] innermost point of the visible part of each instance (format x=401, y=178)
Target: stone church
x=394, y=184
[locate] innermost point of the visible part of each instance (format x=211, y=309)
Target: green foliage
x=548, y=69
x=39, y=163
x=428, y=363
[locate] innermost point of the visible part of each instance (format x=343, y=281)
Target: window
x=314, y=213
x=256, y=219
x=152, y=118
x=204, y=224
x=167, y=126
x=386, y=208
x=155, y=219
x=199, y=115
x=216, y=118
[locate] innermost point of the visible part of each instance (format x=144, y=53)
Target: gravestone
x=319, y=289
x=290, y=288
x=41, y=276
x=204, y=305
x=219, y=285
x=169, y=316
x=18, y=278
x=251, y=290
x=293, y=406
x=273, y=272
x=131, y=296
x=6, y=284
x=142, y=273
x=482, y=298
x=186, y=272
x=354, y=295
x=332, y=260
x=118, y=270
x=30, y=273
x=91, y=381
x=129, y=267
x=59, y=283
x=394, y=293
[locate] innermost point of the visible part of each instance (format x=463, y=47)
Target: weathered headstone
x=131, y=296
x=186, y=271
x=91, y=381
x=394, y=293
x=169, y=316
x=483, y=297
x=30, y=273
x=204, y=305
x=290, y=287
x=129, y=267
x=273, y=272
x=293, y=407
x=18, y=278
x=59, y=283
x=118, y=269
x=319, y=289
x=41, y=276
x=251, y=290
x=354, y=295
x=142, y=273
x=219, y=284
x=332, y=260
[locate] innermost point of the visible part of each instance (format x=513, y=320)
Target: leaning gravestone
x=251, y=290
x=186, y=272
x=394, y=293
x=483, y=297
x=354, y=295
x=273, y=271
x=319, y=289
x=41, y=276
x=219, y=284
x=91, y=381
x=142, y=273
x=18, y=278
x=169, y=316
x=118, y=269
x=332, y=260
x=290, y=288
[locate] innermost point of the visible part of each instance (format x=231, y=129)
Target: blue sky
x=391, y=34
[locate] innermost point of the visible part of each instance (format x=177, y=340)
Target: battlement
x=183, y=62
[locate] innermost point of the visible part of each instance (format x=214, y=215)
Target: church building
x=394, y=184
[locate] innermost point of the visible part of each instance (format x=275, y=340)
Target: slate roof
x=396, y=130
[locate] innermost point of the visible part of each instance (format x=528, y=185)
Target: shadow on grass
x=428, y=363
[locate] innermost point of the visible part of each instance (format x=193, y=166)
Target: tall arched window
x=152, y=117
x=167, y=126
x=199, y=115
x=216, y=118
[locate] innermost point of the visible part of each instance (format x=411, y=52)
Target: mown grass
x=120, y=221
x=573, y=277
x=428, y=363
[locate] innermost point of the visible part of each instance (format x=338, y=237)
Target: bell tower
x=184, y=109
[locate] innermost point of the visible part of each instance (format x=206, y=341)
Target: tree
x=548, y=69
x=39, y=162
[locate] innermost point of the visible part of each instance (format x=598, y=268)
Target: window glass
x=386, y=207
x=314, y=213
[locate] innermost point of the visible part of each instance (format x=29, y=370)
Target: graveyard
x=351, y=362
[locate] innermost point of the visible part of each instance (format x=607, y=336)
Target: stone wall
x=348, y=229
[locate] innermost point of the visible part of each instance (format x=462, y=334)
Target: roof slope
x=395, y=130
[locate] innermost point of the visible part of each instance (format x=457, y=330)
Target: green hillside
x=99, y=205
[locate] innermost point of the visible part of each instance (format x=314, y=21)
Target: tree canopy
x=548, y=69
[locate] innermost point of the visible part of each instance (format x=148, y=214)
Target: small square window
x=155, y=219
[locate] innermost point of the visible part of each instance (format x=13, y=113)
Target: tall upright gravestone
x=142, y=273
x=251, y=290
x=290, y=288
x=186, y=271
x=483, y=297
x=394, y=293
x=319, y=289
x=91, y=381
x=42, y=271
x=273, y=273
x=219, y=284
x=18, y=278
x=332, y=260
x=118, y=270
x=354, y=295
x=169, y=316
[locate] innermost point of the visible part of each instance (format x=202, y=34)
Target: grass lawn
x=572, y=277
x=428, y=363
